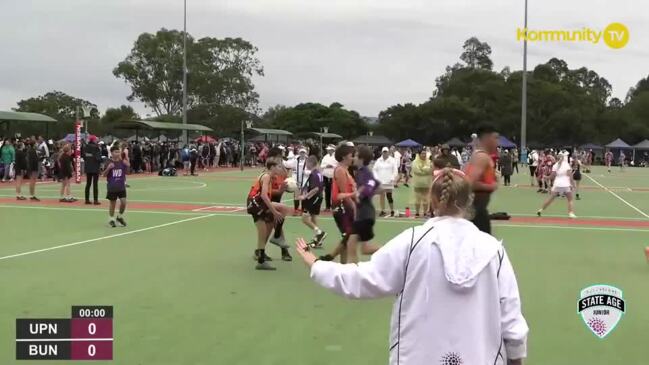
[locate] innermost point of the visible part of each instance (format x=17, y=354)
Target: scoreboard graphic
x=87, y=335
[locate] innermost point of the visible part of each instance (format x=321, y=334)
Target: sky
x=367, y=55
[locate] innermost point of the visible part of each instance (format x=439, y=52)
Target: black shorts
x=532, y=170
x=364, y=229
x=258, y=210
x=577, y=175
x=481, y=217
x=114, y=195
x=312, y=206
x=344, y=219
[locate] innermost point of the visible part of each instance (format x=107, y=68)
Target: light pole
x=242, y=153
x=524, y=95
x=185, y=70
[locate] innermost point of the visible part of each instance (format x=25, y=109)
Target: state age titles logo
x=601, y=307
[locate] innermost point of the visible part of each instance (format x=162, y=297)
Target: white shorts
x=561, y=190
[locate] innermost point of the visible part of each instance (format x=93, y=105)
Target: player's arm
x=380, y=277
x=480, y=162
x=108, y=169
x=513, y=324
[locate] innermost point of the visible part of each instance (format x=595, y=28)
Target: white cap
x=331, y=147
x=302, y=150
x=385, y=149
x=349, y=143
x=281, y=147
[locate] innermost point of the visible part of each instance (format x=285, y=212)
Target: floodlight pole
x=241, y=153
x=185, y=137
x=524, y=95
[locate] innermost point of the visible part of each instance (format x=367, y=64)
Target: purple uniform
x=365, y=213
x=365, y=180
x=116, y=177
x=312, y=205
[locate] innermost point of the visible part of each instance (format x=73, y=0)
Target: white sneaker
x=279, y=242
x=572, y=215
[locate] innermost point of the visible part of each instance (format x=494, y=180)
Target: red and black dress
x=256, y=206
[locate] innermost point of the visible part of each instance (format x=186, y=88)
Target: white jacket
x=386, y=171
x=328, y=160
x=298, y=168
x=456, y=294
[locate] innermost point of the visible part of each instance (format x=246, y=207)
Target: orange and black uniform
x=343, y=208
x=256, y=206
x=481, y=198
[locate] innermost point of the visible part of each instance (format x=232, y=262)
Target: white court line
x=140, y=200
x=580, y=216
x=104, y=237
x=617, y=196
x=96, y=210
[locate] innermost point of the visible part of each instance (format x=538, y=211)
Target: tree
x=114, y=115
x=219, y=71
x=476, y=54
x=310, y=117
x=60, y=106
x=640, y=87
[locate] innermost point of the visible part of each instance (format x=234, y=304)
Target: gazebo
x=266, y=135
x=150, y=125
x=6, y=117
x=408, y=143
x=372, y=140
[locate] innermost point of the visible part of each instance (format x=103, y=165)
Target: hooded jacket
x=457, y=299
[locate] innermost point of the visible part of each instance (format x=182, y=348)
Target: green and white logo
x=601, y=307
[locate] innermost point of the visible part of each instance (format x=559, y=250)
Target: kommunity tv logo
x=615, y=35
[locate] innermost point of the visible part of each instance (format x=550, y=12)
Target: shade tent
x=408, y=143
x=591, y=146
x=6, y=117
x=373, y=140
x=619, y=144
x=269, y=135
x=455, y=142
x=503, y=142
x=323, y=135
x=150, y=125
x=644, y=145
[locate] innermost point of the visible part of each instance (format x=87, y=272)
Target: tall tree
x=59, y=106
x=219, y=71
x=477, y=54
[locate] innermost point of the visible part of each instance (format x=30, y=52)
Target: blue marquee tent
x=618, y=143
x=408, y=143
x=505, y=143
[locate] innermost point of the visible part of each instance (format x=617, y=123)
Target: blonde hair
x=452, y=193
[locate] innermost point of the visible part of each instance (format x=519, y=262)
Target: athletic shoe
x=265, y=266
x=34, y=199
x=538, y=212
x=382, y=214
x=326, y=257
x=112, y=224
x=319, y=239
x=266, y=257
x=96, y=203
x=314, y=244
x=540, y=190
x=392, y=213
x=578, y=198
x=121, y=221
x=64, y=200
x=572, y=215
x=286, y=256
x=406, y=185
x=88, y=202
x=280, y=242
x=21, y=198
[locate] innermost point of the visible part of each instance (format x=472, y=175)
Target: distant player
x=608, y=159
x=312, y=201
x=622, y=160
x=363, y=226
x=564, y=184
x=576, y=175
x=115, y=174
x=343, y=195
x=264, y=212
x=481, y=173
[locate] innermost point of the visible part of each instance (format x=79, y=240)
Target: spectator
x=447, y=159
x=386, y=171
x=7, y=158
x=92, y=161
x=33, y=165
x=20, y=168
x=422, y=179
x=327, y=167
x=65, y=173
x=506, y=167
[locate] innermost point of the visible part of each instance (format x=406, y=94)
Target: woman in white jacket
x=386, y=171
x=457, y=299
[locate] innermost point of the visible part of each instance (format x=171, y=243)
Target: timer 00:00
x=95, y=313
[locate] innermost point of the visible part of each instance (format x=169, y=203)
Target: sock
x=261, y=256
x=317, y=231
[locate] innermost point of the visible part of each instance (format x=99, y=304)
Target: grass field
x=182, y=283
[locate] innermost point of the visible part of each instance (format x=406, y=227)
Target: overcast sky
x=365, y=54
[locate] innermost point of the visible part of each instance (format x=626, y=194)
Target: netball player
x=608, y=159
x=265, y=213
x=311, y=199
x=275, y=154
x=576, y=175
x=115, y=174
x=481, y=173
x=343, y=197
x=363, y=226
x=457, y=299
x=563, y=184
